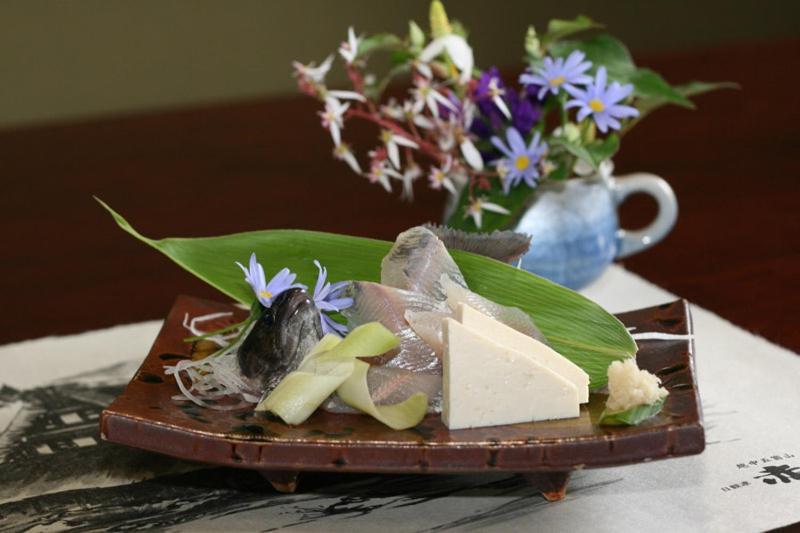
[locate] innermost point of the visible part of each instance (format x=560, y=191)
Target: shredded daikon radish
x=216, y=376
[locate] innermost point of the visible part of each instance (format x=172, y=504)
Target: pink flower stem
x=424, y=146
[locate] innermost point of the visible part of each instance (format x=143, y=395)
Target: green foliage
x=633, y=416
x=416, y=36
x=379, y=42
x=594, y=152
x=557, y=29
x=575, y=326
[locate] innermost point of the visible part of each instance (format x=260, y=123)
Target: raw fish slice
x=393, y=385
x=387, y=305
x=428, y=326
x=510, y=316
x=417, y=262
x=506, y=246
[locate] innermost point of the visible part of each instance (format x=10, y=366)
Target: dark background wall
x=65, y=60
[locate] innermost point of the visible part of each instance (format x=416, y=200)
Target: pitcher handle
x=634, y=241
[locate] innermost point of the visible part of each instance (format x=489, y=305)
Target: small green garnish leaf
x=633, y=416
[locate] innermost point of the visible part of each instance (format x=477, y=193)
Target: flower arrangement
x=487, y=143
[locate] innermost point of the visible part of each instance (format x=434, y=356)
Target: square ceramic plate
x=146, y=417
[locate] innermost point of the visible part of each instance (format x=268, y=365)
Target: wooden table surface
x=266, y=164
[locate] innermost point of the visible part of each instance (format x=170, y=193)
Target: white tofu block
x=513, y=339
x=486, y=384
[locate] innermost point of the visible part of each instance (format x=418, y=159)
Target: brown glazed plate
x=145, y=416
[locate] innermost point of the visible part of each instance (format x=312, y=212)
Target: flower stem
x=424, y=146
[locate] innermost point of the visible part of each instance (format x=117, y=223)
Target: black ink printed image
x=783, y=473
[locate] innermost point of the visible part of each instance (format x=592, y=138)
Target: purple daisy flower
x=521, y=162
x=328, y=299
x=602, y=102
x=557, y=73
x=266, y=292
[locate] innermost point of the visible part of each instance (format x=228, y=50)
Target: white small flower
x=343, y=152
x=423, y=68
x=312, y=72
x=346, y=95
x=502, y=169
x=349, y=50
x=479, y=205
x=425, y=94
x=459, y=51
x=332, y=118
x=439, y=177
x=418, y=119
x=392, y=142
x=471, y=153
x=380, y=172
x=496, y=93
x=408, y=178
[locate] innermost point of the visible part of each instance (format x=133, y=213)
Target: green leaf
x=533, y=46
x=603, y=149
x=415, y=35
x=557, y=29
x=379, y=41
x=648, y=104
x=576, y=327
x=459, y=28
x=633, y=416
x=648, y=84
x=594, y=152
x=603, y=50
x=699, y=87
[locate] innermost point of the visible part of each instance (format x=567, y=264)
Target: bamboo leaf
x=576, y=327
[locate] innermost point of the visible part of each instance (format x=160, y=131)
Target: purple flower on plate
x=266, y=292
x=521, y=161
x=328, y=299
x=558, y=72
x=602, y=102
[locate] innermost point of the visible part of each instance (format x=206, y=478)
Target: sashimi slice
x=510, y=316
x=388, y=305
x=507, y=246
x=428, y=326
x=417, y=262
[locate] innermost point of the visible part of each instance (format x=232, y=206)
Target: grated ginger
x=629, y=386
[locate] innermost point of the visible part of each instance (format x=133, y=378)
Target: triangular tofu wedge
x=487, y=384
x=513, y=339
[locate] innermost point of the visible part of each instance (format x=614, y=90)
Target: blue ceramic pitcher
x=575, y=227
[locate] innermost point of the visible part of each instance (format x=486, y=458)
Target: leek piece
x=325, y=343
x=633, y=416
x=329, y=364
x=299, y=394
x=355, y=393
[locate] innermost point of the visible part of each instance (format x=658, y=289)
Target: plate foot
x=552, y=485
x=282, y=480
